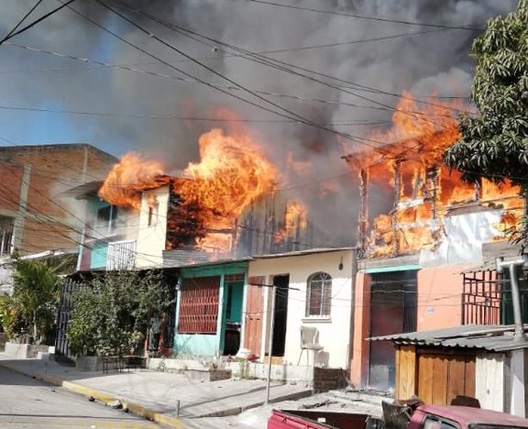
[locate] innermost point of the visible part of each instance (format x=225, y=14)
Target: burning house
x=423, y=254
x=418, y=233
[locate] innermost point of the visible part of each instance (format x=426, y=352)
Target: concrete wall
x=299, y=269
x=22, y=351
x=151, y=238
x=440, y=297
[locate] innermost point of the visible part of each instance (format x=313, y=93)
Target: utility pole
x=270, y=339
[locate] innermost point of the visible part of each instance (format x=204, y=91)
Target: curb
x=239, y=410
x=136, y=409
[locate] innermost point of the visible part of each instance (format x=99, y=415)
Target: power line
x=289, y=113
x=183, y=118
x=27, y=27
x=364, y=17
x=180, y=79
x=283, y=66
x=21, y=21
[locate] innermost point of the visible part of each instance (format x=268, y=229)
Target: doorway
x=280, y=314
x=393, y=306
x=254, y=311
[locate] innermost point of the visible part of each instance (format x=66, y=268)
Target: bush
x=111, y=313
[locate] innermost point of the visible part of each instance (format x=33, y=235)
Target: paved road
x=27, y=403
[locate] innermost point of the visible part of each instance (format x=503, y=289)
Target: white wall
x=334, y=330
x=151, y=239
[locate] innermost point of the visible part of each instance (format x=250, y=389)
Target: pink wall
x=440, y=297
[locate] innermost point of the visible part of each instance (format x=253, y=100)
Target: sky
x=310, y=80
x=74, y=78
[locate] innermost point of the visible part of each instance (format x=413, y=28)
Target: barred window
x=319, y=295
x=199, y=305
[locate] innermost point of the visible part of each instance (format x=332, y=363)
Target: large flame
x=233, y=172
x=408, y=165
x=128, y=178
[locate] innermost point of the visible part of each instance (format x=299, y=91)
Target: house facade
x=451, y=285
x=312, y=289
x=35, y=215
x=260, y=304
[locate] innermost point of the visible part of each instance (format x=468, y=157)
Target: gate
x=62, y=348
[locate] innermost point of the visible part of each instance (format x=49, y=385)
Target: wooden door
x=254, y=313
x=442, y=376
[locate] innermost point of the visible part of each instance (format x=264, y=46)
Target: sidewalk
x=155, y=395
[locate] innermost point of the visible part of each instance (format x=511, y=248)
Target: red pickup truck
x=424, y=417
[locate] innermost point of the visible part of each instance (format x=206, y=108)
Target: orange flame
x=128, y=178
x=409, y=164
x=295, y=217
x=233, y=172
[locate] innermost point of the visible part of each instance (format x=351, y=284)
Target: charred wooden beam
x=397, y=196
x=363, y=210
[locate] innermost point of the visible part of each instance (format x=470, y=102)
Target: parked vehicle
x=424, y=417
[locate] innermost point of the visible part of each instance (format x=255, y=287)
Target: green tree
x=111, y=311
x=36, y=292
x=494, y=141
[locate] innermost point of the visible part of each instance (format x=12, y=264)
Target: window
x=433, y=422
x=6, y=235
x=319, y=295
x=198, y=312
x=106, y=218
x=121, y=255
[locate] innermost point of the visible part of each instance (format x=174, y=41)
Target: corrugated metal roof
x=486, y=337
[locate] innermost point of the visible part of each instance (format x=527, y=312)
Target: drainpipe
x=516, y=298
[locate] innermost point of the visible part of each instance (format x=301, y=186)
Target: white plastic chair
x=309, y=341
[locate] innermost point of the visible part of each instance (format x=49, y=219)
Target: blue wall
x=206, y=344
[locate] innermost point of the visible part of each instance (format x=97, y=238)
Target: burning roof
x=405, y=191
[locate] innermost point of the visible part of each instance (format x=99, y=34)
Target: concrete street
x=27, y=403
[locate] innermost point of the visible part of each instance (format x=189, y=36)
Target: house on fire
x=224, y=300
x=425, y=260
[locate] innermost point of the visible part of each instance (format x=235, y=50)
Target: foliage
x=12, y=323
x=32, y=307
x=494, y=143
x=36, y=293
x=111, y=312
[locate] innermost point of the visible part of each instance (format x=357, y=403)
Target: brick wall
x=50, y=221
x=329, y=379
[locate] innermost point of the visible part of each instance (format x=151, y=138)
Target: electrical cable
x=29, y=26
x=21, y=21
x=363, y=17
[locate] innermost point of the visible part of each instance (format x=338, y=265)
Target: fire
x=295, y=217
x=233, y=172
x=204, y=206
x=408, y=164
x=128, y=178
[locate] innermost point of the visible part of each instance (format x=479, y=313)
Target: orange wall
x=439, y=306
x=440, y=297
x=360, y=353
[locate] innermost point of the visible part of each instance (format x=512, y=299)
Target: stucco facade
x=333, y=329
